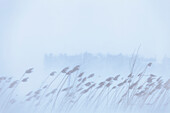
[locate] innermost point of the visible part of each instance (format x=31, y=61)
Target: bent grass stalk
x=13, y=90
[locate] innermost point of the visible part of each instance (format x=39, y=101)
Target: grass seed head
x=149, y=65
x=116, y=77
x=28, y=94
x=167, y=84
x=37, y=92
x=84, y=79
x=113, y=87
x=88, y=84
x=29, y=71
x=91, y=75
x=13, y=84
x=108, y=84
x=65, y=70
x=25, y=79
x=53, y=73
x=80, y=75
x=109, y=79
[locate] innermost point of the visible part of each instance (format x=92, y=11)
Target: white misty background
x=99, y=35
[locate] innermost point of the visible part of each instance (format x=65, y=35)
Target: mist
x=106, y=38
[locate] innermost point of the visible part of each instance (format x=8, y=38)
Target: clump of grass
x=134, y=89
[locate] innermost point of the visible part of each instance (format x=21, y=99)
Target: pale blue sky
x=31, y=28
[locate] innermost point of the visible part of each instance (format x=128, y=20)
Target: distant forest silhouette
x=100, y=63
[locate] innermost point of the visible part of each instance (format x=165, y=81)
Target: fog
x=104, y=37
x=30, y=29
